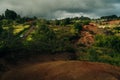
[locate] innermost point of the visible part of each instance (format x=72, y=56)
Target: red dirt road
x=65, y=70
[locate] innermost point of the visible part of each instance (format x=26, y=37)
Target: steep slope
x=65, y=70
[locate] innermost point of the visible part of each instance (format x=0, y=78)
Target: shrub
x=98, y=54
x=108, y=42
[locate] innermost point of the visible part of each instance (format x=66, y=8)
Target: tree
x=65, y=21
x=84, y=18
x=57, y=22
x=44, y=33
x=2, y=17
x=1, y=29
x=75, y=29
x=43, y=39
x=110, y=17
x=78, y=26
x=9, y=14
x=6, y=39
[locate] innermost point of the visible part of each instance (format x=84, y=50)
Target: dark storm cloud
x=61, y=8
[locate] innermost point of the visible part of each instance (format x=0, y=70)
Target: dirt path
x=32, y=27
x=65, y=70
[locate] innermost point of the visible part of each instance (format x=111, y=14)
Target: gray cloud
x=61, y=8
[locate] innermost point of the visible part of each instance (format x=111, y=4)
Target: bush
x=108, y=42
x=97, y=54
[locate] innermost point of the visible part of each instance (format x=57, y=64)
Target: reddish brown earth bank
x=65, y=70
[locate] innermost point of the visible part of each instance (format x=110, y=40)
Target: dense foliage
x=54, y=36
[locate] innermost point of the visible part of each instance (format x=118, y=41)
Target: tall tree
x=65, y=21
x=2, y=17
x=9, y=14
x=1, y=29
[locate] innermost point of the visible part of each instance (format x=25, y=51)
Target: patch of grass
x=19, y=28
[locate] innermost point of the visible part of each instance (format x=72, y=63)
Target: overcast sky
x=62, y=8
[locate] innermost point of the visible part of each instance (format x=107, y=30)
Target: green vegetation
x=112, y=42
x=23, y=37
x=105, y=49
x=110, y=17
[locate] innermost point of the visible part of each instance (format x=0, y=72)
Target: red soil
x=87, y=34
x=65, y=70
x=114, y=22
x=91, y=28
x=86, y=39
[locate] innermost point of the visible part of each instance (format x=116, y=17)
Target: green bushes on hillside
x=105, y=49
x=54, y=36
x=99, y=54
x=108, y=42
x=45, y=40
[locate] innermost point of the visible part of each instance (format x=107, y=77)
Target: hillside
x=39, y=49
